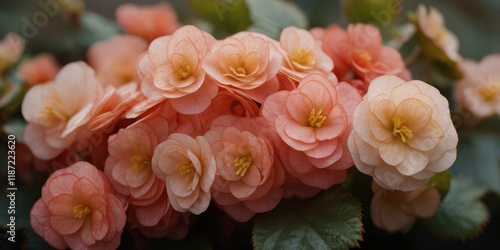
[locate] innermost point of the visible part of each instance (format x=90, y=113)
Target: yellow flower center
x=242, y=164
x=440, y=35
x=186, y=168
x=365, y=56
x=488, y=92
x=401, y=130
x=139, y=162
x=316, y=119
x=303, y=56
x=81, y=211
x=125, y=74
x=51, y=113
x=184, y=72
x=240, y=71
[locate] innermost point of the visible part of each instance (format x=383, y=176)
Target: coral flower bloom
x=115, y=60
x=366, y=55
x=249, y=176
x=148, y=22
x=129, y=170
x=314, y=121
x=331, y=43
x=303, y=55
x=40, y=69
x=188, y=168
x=403, y=133
x=395, y=210
x=78, y=210
x=432, y=25
x=245, y=63
x=57, y=110
x=172, y=69
x=479, y=90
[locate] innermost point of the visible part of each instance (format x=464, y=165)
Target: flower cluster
x=166, y=119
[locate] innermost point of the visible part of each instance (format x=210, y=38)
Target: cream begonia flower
x=403, y=133
x=395, y=210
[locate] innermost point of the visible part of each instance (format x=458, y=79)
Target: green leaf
x=15, y=127
x=271, y=16
x=230, y=15
x=478, y=157
x=462, y=214
x=331, y=220
x=377, y=12
x=94, y=28
x=441, y=181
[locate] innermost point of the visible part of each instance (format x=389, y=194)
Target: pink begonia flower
x=432, y=25
x=172, y=69
x=368, y=57
x=40, y=69
x=78, y=210
x=11, y=49
x=173, y=225
x=303, y=55
x=331, y=43
x=129, y=170
x=57, y=111
x=403, y=133
x=479, y=90
x=148, y=22
x=115, y=60
x=249, y=175
x=188, y=168
x=314, y=121
x=245, y=63
x=228, y=103
x=395, y=210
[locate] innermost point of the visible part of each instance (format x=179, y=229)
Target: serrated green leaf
x=441, y=181
x=462, y=214
x=331, y=220
x=271, y=16
x=478, y=157
x=230, y=15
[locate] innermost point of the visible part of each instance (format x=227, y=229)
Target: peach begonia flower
x=245, y=63
x=148, y=22
x=57, y=110
x=432, y=25
x=228, y=103
x=11, y=49
x=331, y=43
x=129, y=170
x=115, y=60
x=303, y=55
x=172, y=69
x=78, y=210
x=403, y=133
x=249, y=175
x=395, y=210
x=479, y=90
x=173, y=225
x=367, y=56
x=40, y=69
x=314, y=121
x=188, y=168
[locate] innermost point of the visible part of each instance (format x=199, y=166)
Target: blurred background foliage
x=476, y=24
